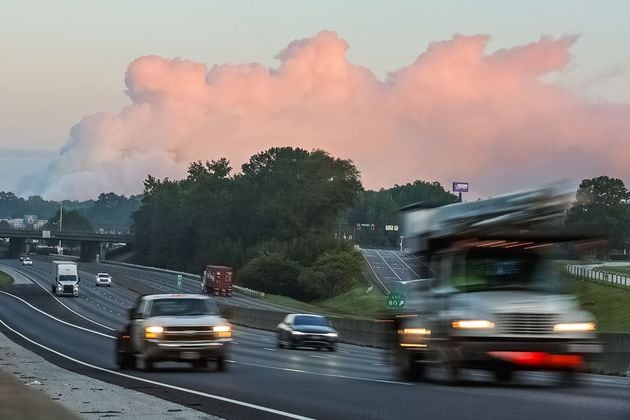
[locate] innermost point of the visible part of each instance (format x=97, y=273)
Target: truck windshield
x=65, y=277
x=183, y=307
x=484, y=271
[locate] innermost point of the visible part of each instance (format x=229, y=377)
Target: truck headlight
x=153, y=331
x=75, y=287
x=331, y=334
x=297, y=333
x=416, y=331
x=222, y=330
x=575, y=327
x=473, y=324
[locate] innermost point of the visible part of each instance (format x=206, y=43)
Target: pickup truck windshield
x=183, y=307
x=508, y=271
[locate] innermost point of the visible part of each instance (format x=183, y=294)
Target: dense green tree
x=602, y=204
x=333, y=273
x=271, y=273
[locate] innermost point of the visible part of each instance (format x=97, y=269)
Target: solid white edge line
x=55, y=318
x=174, y=387
x=64, y=305
x=375, y=275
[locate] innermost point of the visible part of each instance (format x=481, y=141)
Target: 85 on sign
x=396, y=300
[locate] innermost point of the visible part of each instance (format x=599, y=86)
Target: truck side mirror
x=132, y=314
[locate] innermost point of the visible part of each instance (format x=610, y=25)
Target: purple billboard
x=460, y=186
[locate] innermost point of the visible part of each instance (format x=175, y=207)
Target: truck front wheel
x=412, y=368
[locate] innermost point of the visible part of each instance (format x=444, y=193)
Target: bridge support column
x=90, y=251
x=17, y=247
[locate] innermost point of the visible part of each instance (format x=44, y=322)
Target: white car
x=27, y=261
x=103, y=279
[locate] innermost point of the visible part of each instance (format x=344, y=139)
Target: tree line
x=110, y=212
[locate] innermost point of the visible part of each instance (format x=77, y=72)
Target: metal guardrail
x=240, y=289
x=597, y=275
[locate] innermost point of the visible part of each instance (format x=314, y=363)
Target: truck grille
x=68, y=289
x=188, y=333
x=524, y=324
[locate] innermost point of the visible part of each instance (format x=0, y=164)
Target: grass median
x=5, y=279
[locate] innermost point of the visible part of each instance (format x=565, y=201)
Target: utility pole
x=60, y=227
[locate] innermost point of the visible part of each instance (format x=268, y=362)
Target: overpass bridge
x=91, y=242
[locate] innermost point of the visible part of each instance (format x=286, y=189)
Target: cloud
x=456, y=113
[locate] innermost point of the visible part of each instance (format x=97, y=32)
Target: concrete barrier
x=240, y=289
x=363, y=332
x=616, y=357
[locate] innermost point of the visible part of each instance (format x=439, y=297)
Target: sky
x=517, y=110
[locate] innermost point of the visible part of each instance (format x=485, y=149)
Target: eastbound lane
x=353, y=383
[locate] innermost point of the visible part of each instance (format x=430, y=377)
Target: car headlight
x=472, y=324
x=153, y=331
x=331, y=334
x=297, y=333
x=575, y=327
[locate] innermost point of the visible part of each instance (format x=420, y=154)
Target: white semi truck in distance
x=65, y=278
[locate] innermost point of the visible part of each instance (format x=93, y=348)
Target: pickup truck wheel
x=332, y=348
x=200, y=364
x=125, y=360
x=149, y=365
x=221, y=364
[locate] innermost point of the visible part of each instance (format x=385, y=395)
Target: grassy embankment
x=609, y=304
x=5, y=279
x=356, y=302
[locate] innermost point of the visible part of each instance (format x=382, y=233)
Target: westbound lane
x=351, y=383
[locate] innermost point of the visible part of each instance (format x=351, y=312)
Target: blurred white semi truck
x=490, y=297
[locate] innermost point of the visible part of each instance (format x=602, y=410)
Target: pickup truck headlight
x=575, y=327
x=331, y=334
x=222, y=330
x=297, y=333
x=473, y=324
x=153, y=331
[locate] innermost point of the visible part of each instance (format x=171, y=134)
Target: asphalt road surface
x=393, y=269
x=266, y=382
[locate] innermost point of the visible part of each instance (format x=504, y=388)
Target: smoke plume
x=456, y=114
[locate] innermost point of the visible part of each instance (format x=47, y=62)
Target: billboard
x=460, y=186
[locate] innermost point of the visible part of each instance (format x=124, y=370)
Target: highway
x=392, y=268
x=266, y=382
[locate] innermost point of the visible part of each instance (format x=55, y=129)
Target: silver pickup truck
x=173, y=327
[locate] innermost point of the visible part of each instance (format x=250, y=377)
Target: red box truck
x=217, y=280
